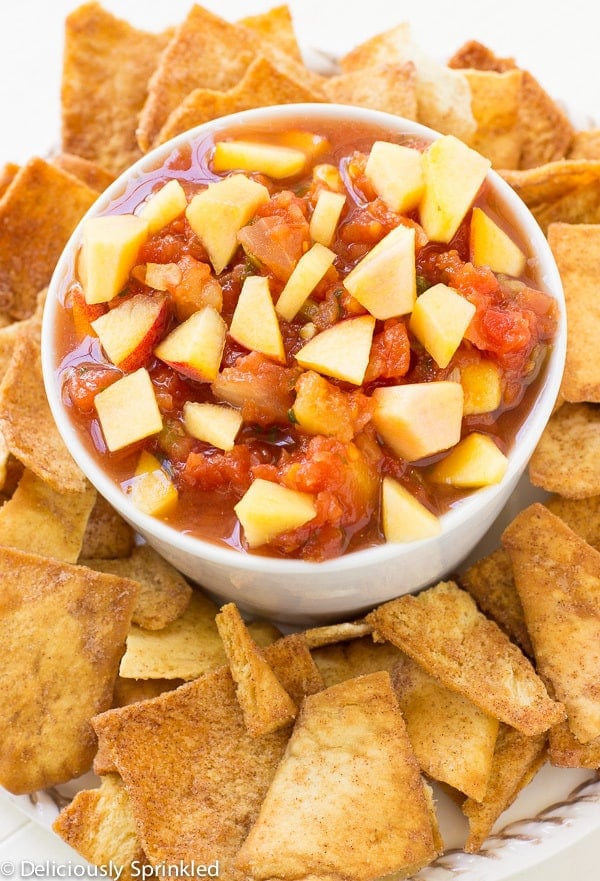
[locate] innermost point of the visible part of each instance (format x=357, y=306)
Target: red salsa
x=290, y=331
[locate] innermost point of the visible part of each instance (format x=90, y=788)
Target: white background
x=557, y=41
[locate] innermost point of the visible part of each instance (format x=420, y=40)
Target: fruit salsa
x=304, y=343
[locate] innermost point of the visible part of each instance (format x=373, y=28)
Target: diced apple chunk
x=306, y=275
x=164, y=206
x=109, y=253
x=195, y=348
x=396, y=174
x=453, y=175
x=268, y=509
x=277, y=162
x=214, y=424
x=151, y=490
x=129, y=332
x=384, y=281
x=128, y=411
x=326, y=215
x=218, y=213
x=482, y=386
x=419, y=420
x=403, y=517
x=491, y=246
x=322, y=408
x=254, y=323
x=342, y=350
x=439, y=321
x=475, y=462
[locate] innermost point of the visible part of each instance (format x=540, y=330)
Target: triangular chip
x=89, y=172
x=62, y=633
x=164, y=593
x=107, y=535
x=347, y=799
x=106, y=67
x=581, y=515
x=343, y=661
x=565, y=751
x=26, y=420
x=563, y=191
x=585, y=145
x=443, y=631
x=328, y=634
x=38, y=212
x=292, y=662
x=495, y=101
x=567, y=458
x=388, y=87
x=557, y=575
x=99, y=825
x=7, y=175
x=275, y=25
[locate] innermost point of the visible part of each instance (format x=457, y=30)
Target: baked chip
x=443, y=631
x=347, y=799
x=328, y=634
x=585, y=145
x=265, y=704
x=495, y=101
x=388, y=87
x=62, y=634
x=276, y=26
x=262, y=84
x=576, y=249
x=292, y=661
x=38, y=212
x=479, y=57
x=85, y=170
x=7, y=175
x=99, y=825
x=453, y=740
x=337, y=663
x=517, y=760
x=581, y=515
x=567, y=458
x=557, y=575
x=26, y=420
x=164, y=593
x=107, y=535
x=106, y=67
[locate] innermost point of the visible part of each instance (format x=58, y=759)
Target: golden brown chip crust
x=495, y=101
x=388, y=87
x=89, y=172
x=442, y=629
x=565, y=190
x=62, y=633
x=328, y=634
x=357, y=657
x=107, y=535
x=585, y=145
x=7, y=175
x=567, y=458
x=581, y=515
x=565, y=751
x=277, y=26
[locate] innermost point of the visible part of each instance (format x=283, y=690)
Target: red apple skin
x=143, y=352
x=83, y=313
x=149, y=314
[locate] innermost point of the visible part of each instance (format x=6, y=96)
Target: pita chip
x=585, y=145
x=7, y=175
x=85, y=170
x=388, y=87
x=567, y=458
x=495, y=101
x=107, y=535
x=343, y=661
x=565, y=751
x=277, y=26
x=581, y=515
x=327, y=634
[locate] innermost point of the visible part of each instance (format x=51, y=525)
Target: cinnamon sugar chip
x=107, y=535
x=565, y=191
x=388, y=87
x=567, y=458
x=85, y=170
x=275, y=25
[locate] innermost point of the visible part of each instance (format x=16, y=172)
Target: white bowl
x=295, y=591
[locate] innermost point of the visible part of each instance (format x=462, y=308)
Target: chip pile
x=304, y=756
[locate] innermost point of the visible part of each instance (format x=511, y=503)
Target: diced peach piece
x=384, y=281
x=218, y=213
x=396, y=174
x=306, y=275
x=84, y=313
x=326, y=215
x=276, y=161
x=195, y=348
x=403, y=517
x=419, y=420
x=342, y=350
x=322, y=408
x=482, y=386
x=162, y=276
x=164, y=206
x=311, y=144
x=453, y=175
x=129, y=332
x=108, y=254
x=476, y=461
x=254, y=323
x=492, y=246
x=215, y=424
x=439, y=321
x=128, y=411
x=268, y=509
x=151, y=490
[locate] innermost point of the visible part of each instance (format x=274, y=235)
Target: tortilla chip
x=62, y=634
x=106, y=67
x=40, y=520
x=362, y=811
x=442, y=630
x=276, y=26
x=443, y=95
x=337, y=663
x=479, y=57
x=567, y=458
x=559, y=191
x=85, y=170
x=576, y=249
x=491, y=584
x=388, y=87
x=581, y=515
x=585, y=145
x=452, y=739
x=332, y=633
x=38, y=213
x=262, y=84
x=7, y=175
x=516, y=762
x=557, y=575
x=293, y=663
x=99, y=825
x=495, y=101
x=164, y=593
x=265, y=703
x=107, y=535
x=26, y=420
x=565, y=751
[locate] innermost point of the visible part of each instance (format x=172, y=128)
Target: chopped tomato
x=390, y=352
x=279, y=236
x=261, y=389
x=85, y=381
x=196, y=288
x=213, y=470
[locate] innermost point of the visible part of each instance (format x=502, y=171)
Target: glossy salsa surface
x=340, y=468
